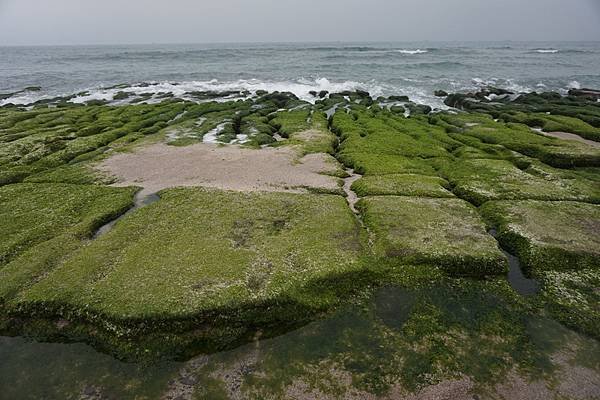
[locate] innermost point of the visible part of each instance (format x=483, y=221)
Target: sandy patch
x=571, y=136
x=160, y=166
x=351, y=196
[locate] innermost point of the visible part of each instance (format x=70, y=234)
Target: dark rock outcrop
x=587, y=93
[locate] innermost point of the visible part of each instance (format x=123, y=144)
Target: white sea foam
x=481, y=82
x=546, y=51
x=23, y=98
x=418, y=90
x=412, y=52
x=211, y=136
x=300, y=87
x=516, y=87
x=103, y=95
x=574, y=85
x=421, y=95
x=508, y=84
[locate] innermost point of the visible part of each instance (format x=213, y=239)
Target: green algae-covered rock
x=481, y=180
x=383, y=164
x=402, y=185
x=577, y=113
x=32, y=213
x=444, y=232
x=216, y=267
x=558, y=235
x=43, y=222
x=197, y=255
x=573, y=298
x=520, y=138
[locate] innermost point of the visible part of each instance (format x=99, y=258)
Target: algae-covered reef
x=443, y=195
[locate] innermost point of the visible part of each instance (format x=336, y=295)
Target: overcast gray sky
x=198, y=21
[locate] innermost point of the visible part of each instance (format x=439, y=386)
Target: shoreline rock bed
x=203, y=269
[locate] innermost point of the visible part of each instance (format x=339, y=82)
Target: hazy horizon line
x=100, y=44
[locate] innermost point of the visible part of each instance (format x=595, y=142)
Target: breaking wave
x=546, y=51
x=412, y=52
x=508, y=84
x=301, y=88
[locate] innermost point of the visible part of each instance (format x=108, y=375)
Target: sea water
x=413, y=69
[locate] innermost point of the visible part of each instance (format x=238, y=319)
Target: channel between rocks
x=140, y=200
x=517, y=279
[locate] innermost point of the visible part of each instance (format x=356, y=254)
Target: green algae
x=396, y=341
x=550, y=111
x=45, y=222
x=76, y=174
x=42, y=139
x=369, y=133
x=33, y=213
x=306, y=130
x=444, y=232
x=74, y=371
x=481, y=180
x=557, y=242
x=288, y=122
x=572, y=298
x=520, y=138
x=383, y=164
x=139, y=288
x=548, y=235
x=402, y=185
x=402, y=337
x=250, y=250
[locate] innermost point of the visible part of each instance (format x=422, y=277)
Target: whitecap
x=546, y=51
x=246, y=88
x=508, y=84
x=412, y=52
x=300, y=87
x=516, y=87
x=24, y=98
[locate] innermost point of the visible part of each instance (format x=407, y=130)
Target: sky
x=58, y=22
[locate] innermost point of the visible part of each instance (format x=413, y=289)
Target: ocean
x=413, y=69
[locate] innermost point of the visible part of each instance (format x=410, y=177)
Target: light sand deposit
x=570, y=136
x=160, y=166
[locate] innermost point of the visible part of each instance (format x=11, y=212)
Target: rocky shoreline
x=254, y=238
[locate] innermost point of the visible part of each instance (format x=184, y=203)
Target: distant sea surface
x=413, y=69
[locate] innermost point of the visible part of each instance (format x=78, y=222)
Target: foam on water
x=300, y=87
x=418, y=90
x=412, y=52
x=23, y=98
x=508, y=84
x=546, y=51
